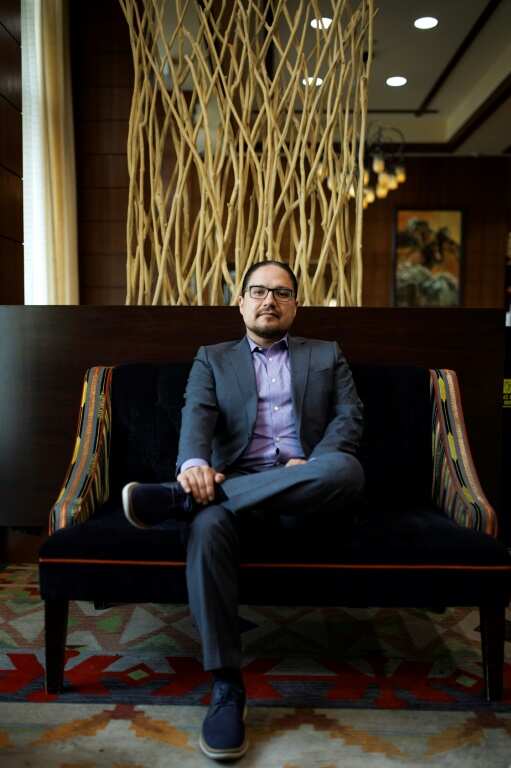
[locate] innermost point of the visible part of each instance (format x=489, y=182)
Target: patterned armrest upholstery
x=86, y=485
x=456, y=488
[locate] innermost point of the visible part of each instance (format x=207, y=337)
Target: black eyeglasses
x=261, y=292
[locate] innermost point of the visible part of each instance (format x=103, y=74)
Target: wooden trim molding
x=485, y=110
x=490, y=105
x=488, y=11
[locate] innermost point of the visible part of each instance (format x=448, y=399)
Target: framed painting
x=428, y=254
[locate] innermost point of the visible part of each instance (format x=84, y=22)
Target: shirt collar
x=254, y=347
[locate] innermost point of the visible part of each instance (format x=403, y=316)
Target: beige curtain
x=51, y=255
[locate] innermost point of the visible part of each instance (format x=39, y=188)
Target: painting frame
x=428, y=257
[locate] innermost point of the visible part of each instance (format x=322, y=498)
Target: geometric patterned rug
x=293, y=657
x=135, y=691
x=120, y=736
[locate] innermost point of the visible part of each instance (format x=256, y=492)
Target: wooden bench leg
x=55, y=631
x=493, y=625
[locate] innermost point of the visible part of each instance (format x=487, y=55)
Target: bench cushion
x=149, y=565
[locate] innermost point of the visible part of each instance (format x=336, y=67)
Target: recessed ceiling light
x=312, y=80
x=322, y=23
x=397, y=81
x=425, y=22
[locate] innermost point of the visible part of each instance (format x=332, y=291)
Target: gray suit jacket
x=221, y=401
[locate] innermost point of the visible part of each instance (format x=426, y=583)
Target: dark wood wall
x=102, y=84
x=11, y=186
x=480, y=186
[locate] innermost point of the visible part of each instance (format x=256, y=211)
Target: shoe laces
x=227, y=693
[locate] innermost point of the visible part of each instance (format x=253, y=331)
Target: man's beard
x=270, y=333
x=267, y=333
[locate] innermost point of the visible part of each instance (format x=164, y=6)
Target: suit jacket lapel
x=243, y=367
x=299, y=358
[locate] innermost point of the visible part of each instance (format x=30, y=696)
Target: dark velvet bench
x=425, y=535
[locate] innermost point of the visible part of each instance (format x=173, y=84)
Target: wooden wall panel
x=100, y=296
x=109, y=171
x=11, y=272
x=102, y=80
x=104, y=204
x=104, y=69
x=102, y=237
x=104, y=103
x=11, y=166
x=481, y=188
x=11, y=138
x=98, y=137
x=10, y=67
x=11, y=210
x=100, y=269
x=10, y=17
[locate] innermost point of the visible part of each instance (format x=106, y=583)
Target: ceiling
x=457, y=99
x=459, y=75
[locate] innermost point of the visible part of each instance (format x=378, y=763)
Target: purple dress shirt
x=274, y=439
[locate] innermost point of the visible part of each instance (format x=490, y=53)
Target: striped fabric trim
x=86, y=484
x=456, y=488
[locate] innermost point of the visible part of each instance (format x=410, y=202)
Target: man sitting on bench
x=272, y=422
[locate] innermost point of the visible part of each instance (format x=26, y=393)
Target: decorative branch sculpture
x=235, y=155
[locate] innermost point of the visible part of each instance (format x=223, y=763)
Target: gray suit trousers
x=326, y=485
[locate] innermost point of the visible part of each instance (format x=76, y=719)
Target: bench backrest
x=396, y=450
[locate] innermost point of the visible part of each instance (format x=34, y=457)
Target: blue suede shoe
x=223, y=730
x=148, y=504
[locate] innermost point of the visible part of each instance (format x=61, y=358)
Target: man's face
x=268, y=318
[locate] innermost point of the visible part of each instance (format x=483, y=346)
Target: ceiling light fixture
x=378, y=162
x=400, y=173
x=312, y=81
x=425, y=22
x=383, y=179
x=384, y=166
x=397, y=81
x=383, y=171
x=322, y=23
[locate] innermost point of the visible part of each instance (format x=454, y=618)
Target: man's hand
x=294, y=462
x=200, y=482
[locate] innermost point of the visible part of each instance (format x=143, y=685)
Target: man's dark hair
x=271, y=262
